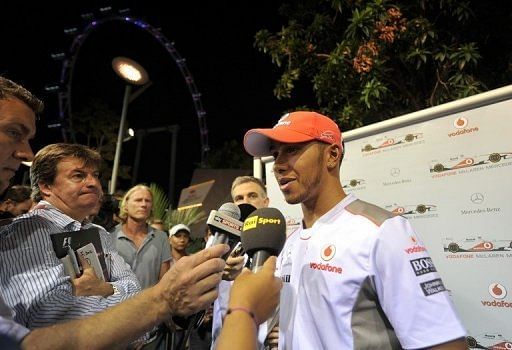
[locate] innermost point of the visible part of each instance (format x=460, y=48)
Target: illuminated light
x=130, y=70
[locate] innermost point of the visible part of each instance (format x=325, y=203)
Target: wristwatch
x=116, y=290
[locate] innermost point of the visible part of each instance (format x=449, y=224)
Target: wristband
x=243, y=309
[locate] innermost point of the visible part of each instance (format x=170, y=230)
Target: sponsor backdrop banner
x=448, y=170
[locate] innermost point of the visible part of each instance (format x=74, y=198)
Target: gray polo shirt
x=147, y=260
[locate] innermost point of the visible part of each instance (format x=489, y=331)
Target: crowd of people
x=367, y=298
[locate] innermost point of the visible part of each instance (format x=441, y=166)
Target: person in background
x=348, y=273
x=142, y=247
x=193, y=279
x=248, y=190
x=179, y=239
x=253, y=299
x=16, y=201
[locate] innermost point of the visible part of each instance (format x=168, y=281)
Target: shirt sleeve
x=166, y=248
x=120, y=272
x=410, y=289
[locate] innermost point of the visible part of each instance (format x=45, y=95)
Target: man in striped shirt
x=65, y=183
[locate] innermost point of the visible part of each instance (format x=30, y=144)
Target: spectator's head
x=179, y=237
x=66, y=175
x=18, y=109
x=17, y=200
x=137, y=204
x=250, y=190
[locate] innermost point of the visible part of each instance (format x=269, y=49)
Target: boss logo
x=422, y=266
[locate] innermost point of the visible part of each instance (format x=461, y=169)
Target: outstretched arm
x=189, y=286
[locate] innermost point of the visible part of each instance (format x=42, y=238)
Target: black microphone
x=246, y=209
x=263, y=235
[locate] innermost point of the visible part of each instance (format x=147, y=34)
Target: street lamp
x=134, y=74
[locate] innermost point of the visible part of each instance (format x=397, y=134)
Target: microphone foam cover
x=246, y=209
x=230, y=209
x=264, y=229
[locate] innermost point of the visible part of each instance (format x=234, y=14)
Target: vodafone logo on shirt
x=416, y=248
x=327, y=253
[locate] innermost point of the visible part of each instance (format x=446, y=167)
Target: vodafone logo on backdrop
x=460, y=124
x=497, y=291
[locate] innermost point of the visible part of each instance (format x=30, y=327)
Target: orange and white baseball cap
x=295, y=127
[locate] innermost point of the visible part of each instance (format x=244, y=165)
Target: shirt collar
x=66, y=219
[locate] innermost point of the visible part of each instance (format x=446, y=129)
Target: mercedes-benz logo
x=395, y=172
x=477, y=198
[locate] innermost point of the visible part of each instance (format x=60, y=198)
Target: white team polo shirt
x=361, y=279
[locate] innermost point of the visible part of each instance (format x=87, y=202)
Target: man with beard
x=348, y=273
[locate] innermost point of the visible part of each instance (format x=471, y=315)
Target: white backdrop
x=448, y=169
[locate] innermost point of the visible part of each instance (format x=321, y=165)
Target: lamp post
x=134, y=74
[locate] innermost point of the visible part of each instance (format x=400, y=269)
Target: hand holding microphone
x=257, y=292
x=255, y=295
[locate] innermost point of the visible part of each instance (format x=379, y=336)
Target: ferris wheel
x=65, y=91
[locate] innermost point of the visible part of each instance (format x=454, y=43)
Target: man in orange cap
x=356, y=276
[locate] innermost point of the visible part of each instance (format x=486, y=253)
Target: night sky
x=216, y=39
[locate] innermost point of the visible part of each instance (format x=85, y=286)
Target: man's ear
x=45, y=189
x=333, y=156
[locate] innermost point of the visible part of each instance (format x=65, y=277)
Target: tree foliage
x=368, y=60
x=230, y=156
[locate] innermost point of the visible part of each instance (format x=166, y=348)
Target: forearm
x=113, y=328
x=62, y=306
x=238, y=332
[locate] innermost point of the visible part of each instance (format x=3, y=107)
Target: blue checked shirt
x=32, y=279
